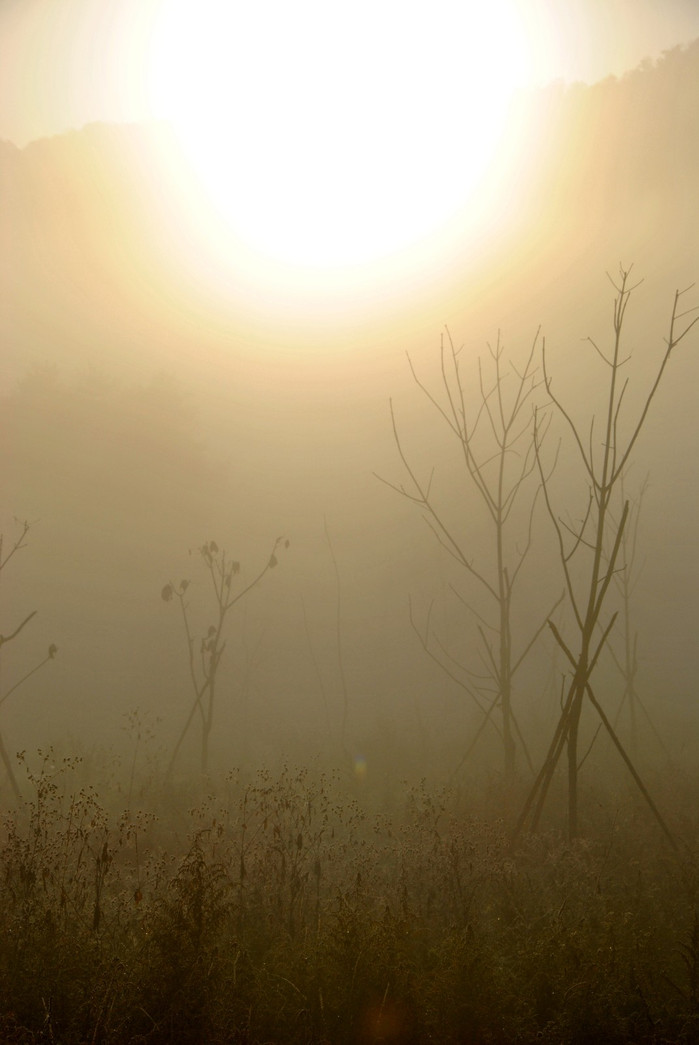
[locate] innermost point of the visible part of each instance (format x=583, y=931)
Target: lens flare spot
x=360, y=768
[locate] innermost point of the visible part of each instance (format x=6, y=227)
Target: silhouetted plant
x=205, y=661
x=141, y=730
x=598, y=542
x=495, y=440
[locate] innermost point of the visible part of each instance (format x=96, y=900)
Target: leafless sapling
x=205, y=653
x=590, y=551
x=494, y=440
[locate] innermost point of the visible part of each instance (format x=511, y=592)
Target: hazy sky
x=293, y=379
x=66, y=62
x=324, y=135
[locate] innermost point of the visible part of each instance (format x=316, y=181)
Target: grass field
x=282, y=908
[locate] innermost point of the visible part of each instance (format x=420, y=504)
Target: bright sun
x=329, y=133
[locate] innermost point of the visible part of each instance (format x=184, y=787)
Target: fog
x=147, y=411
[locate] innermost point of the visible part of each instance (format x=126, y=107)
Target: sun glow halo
x=335, y=134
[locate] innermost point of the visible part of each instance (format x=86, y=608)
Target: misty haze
x=349, y=578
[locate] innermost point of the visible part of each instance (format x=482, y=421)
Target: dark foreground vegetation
x=280, y=908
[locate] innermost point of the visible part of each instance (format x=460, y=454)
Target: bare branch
x=440, y=663
x=19, y=543
x=15, y=633
x=537, y=633
x=564, y=413
x=673, y=340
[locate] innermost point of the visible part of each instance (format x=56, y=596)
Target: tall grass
x=279, y=909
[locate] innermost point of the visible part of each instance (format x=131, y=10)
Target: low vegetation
x=279, y=908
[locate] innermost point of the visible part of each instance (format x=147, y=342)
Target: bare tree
x=19, y=543
x=204, y=661
x=496, y=448
x=590, y=551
